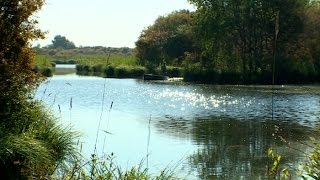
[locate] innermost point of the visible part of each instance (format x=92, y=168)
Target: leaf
x=279, y=158
x=269, y=152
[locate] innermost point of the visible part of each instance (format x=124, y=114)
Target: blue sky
x=111, y=23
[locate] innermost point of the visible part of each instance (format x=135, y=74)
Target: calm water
x=200, y=131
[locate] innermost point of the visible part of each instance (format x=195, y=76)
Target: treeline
x=237, y=42
x=64, y=49
x=66, y=54
x=90, y=60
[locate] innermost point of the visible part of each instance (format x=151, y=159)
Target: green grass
x=104, y=168
x=43, y=61
x=114, y=60
x=33, y=144
x=114, y=66
x=44, y=65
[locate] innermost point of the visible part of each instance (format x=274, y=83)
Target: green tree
x=166, y=41
x=240, y=35
x=31, y=143
x=311, y=35
x=62, y=42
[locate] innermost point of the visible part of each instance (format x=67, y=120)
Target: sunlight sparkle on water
x=195, y=99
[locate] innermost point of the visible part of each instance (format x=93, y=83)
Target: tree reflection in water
x=232, y=149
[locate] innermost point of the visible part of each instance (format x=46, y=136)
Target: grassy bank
x=196, y=73
x=44, y=65
x=117, y=66
x=114, y=60
x=111, y=71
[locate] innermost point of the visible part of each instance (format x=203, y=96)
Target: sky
x=109, y=23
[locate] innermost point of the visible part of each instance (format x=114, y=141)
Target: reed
x=36, y=145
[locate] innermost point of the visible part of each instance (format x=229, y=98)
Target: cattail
x=111, y=106
x=70, y=103
x=59, y=108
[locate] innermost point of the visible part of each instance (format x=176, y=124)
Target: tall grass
x=33, y=145
x=43, y=60
x=105, y=168
x=44, y=65
x=114, y=60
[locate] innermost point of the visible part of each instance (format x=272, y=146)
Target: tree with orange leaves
x=32, y=145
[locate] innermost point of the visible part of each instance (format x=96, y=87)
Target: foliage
x=44, y=65
x=311, y=168
x=248, y=39
x=16, y=30
x=275, y=172
x=32, y=144
x=62, y=42
x=166, y=41
x=106, y=169
x=245, y=37
x=111, y=71
x=67, y=54
x=115, y=60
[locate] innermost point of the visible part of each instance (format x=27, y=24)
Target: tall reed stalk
x=102, y=109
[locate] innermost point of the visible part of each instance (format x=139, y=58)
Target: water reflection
x=63, y=69
x=235, y=149
x=223, y=130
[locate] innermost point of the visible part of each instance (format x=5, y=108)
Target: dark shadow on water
x=233, y=149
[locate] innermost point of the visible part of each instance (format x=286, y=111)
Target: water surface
x=201, y=131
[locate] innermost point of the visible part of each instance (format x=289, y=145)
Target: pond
x=200, y=131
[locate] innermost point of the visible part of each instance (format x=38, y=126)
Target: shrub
x=138, y=71
x=121, y=72
x=97, y=68
x=47, y=72
x=79, y=67
x=109, y=71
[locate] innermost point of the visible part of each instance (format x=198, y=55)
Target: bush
x=47, y=72
x=122, y=72
x=97, y=68
x=138, y=71
x=44, y=71
x=109, y=71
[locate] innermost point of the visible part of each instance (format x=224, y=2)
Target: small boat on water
x=148, y=77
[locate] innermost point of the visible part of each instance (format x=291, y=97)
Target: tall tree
x=16, y=57
x=244, y=31
x=167, y=40
x=62, y=42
